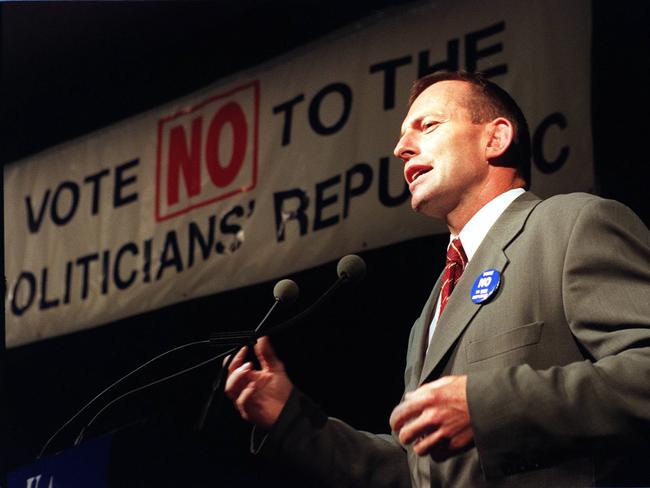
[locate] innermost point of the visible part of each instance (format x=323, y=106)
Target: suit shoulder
x=570, y=201
x=569, y=209
x=572, y=204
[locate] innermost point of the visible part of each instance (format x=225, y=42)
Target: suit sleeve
x=332, y=451
x=536, y=417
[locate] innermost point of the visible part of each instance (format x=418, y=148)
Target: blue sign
x=485, y=285
x=83, y=467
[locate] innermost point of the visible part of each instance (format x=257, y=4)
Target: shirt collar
x=474, y=231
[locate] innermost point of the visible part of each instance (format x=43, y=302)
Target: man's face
x=444, y=155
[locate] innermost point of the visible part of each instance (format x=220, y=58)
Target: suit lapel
x=421, y=335
x=460, y=310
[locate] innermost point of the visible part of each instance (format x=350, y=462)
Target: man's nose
x=405, y=148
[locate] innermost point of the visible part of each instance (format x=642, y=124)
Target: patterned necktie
x=456, y=262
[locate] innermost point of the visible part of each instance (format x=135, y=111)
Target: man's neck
x=463, y=212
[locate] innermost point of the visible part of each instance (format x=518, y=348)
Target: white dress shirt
x=474, y=231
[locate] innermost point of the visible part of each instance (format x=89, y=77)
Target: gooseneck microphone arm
x=285, y=292
x=350, y=269
x=113, y=385
x=83, y=431
x=297, y=319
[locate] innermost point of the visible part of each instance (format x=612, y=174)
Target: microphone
x=350, y=269
x=285, y=292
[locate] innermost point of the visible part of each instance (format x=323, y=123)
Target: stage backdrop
x=277, y=169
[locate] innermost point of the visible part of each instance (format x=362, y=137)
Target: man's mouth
x=415, y=171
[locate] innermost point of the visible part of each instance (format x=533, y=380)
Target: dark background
x=71, y=68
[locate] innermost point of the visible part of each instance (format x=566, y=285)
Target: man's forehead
x=440, y=99
x=443, y=94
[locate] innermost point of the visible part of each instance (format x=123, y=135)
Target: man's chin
x=421, y=208
x=416, y=205
x=420, y=200
x=419, y=204
x=425, y=207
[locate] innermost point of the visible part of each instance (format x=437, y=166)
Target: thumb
x=266, y=354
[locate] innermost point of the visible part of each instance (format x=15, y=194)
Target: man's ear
x=500, y=136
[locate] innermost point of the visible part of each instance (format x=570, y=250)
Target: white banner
x=277, y=169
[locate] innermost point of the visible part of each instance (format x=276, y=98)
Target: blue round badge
x=485, y=285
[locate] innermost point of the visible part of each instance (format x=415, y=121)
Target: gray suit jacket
x=558, y=361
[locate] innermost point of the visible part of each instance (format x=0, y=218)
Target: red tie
x=456, y=262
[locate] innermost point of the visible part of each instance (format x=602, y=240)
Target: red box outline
x=256, y=88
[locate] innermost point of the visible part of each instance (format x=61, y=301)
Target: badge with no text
x=485, y=285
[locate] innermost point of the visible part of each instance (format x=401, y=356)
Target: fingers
x=241, y=372
x=426, y=422
x=436, y=431
x=237, y=361
x=259, y=395
x=436, y=446
x=434, y=419
x=266, y=355
x=412, y=406
x=436, y=393
x=242, y=401
x=441, y=445
x=239, y=379
x=431, y=438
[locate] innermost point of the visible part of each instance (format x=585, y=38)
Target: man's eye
x=429, y=124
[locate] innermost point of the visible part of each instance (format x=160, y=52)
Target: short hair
x=491, y=101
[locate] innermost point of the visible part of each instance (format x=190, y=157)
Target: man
x=535, y=371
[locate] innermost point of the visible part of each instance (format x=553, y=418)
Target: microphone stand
x=345, y=276
x=218, y=383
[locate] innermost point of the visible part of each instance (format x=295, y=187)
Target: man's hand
x=435, y=418
x=259, y=396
